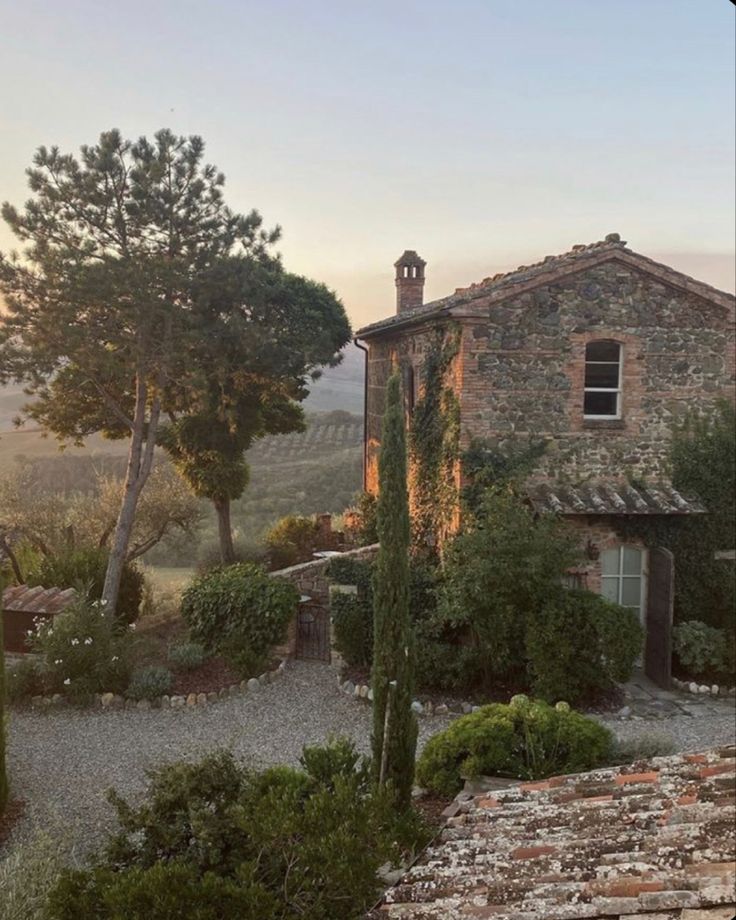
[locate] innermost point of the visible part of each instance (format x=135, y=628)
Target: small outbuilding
x=23, y=605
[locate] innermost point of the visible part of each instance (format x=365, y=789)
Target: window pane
x=609, y=589
x=631, y=592
x=601, y=375
x=609, y=561
x=602, y=351
x=632, y=561
x=601, y=404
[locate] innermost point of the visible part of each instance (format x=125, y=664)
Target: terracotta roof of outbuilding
x=612, y=498
x=656, y=839
x=36, y=599
x=505, y=284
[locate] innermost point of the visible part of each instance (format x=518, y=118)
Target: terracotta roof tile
x=612, y=498
x=506, y=283
x=655, y=838
x=37, y=599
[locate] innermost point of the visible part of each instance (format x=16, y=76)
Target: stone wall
x=523, y=365
x=310, y=578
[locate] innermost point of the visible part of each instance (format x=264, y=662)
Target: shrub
x=219, y=842
x=445, y=665
x=361, y=521
x=27, y=874
x=642, y=747
x=352, y=618
x=149, y=683
x=23, y=680
x=498, y=573
x=526, y=739
x=703, y=650
x=84, y=651
x=85, y=570
x=578, y=645
x=291, y=540
x=187, y=656
x=239, y=611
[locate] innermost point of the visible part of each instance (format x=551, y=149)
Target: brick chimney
x=409, y=281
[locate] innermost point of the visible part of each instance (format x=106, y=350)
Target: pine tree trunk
x=227, y=549
x=394, y=740
x=140, y=462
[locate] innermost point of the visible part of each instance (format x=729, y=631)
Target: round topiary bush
x=526, y=739
x=150, y=683
x=240, y=612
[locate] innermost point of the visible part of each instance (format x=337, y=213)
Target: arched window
x=602, y=380
x=622, y=577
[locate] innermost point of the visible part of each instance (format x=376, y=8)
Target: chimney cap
x=409, y=257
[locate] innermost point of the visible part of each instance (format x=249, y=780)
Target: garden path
x=63, y=761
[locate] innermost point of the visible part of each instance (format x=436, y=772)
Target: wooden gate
x=658, y=648
x=313, y=632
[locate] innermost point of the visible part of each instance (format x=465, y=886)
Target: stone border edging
x=116, y=702
x=364, y=692
x=691, y=686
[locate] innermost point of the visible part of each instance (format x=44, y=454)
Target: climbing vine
x=702, y=462
x=434, y=447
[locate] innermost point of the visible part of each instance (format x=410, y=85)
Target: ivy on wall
x=434, y=440
x=703, y=463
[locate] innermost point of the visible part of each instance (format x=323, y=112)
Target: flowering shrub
x=527, y=739
x=83, y=651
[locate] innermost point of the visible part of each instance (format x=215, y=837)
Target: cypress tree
x=394, y=738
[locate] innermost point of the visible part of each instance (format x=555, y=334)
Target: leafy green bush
x=703, y=650
x=579, y=644
x=84, y=651
x=361, y=520
x=527, y=740
x=445, y=665
x=291, y=540
x=352, y=618
x=497, y=574
x=150, y=683
x=187, y=656
x=239, y=611
x=219, y=842
x=23, y=680
x=85, y=570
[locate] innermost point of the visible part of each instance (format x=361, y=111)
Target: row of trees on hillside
x=142, y=307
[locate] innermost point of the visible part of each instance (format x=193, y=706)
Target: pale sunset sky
x=482, y=133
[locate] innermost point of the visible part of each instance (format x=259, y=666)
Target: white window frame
x=618, y=389
x=619, y=576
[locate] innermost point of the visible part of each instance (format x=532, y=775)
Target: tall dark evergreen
x=394, y=731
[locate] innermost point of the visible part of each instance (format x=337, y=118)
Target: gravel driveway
x=63, y=762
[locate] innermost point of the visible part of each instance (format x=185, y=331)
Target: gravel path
x=62, y=763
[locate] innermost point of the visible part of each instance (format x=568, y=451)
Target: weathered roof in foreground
x=504, y=284
x=612, y=498
x=37, y=599
x=653, y=840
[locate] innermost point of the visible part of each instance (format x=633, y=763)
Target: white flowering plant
x=83, y=651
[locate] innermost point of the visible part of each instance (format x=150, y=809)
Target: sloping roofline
x=551, y=268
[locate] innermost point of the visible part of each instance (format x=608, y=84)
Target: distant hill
x=339, y=387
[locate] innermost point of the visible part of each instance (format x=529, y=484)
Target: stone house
x=596, y=351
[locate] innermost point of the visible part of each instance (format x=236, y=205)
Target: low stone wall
x=310, y=578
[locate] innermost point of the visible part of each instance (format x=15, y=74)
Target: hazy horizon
x=483, y=135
